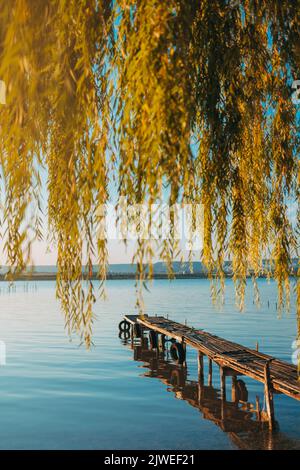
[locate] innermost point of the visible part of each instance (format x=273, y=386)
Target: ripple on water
x=56, y=395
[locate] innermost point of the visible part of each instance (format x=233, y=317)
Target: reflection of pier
x=245, y=423
x=233, y=359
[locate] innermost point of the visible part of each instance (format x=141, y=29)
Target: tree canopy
x=193, y=99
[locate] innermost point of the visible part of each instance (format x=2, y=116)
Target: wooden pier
x=232, y=358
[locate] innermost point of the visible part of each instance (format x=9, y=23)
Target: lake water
x=56, y=395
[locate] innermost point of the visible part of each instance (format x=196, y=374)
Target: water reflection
x=243, y=421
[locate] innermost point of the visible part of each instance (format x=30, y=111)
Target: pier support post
x=269, y=395
x=200, y=367
x=132, y=337
x=184, y=348
x=209, y=372
x=234, y=392
x=223, y=415
x=258, y=410
x=223, y=383
x=200, y=393
x=162, y=342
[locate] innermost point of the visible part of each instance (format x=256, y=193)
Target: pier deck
x=233, y=359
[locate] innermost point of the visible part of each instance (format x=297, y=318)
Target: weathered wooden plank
x=131, y=318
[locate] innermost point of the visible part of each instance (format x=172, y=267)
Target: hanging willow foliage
x=189, y=99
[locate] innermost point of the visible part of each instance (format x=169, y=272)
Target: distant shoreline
x=112, y=276
x=127, y=271
x=94, y=277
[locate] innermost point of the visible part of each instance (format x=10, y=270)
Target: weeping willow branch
x=181, y=100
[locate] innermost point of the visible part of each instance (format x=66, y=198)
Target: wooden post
x=223, y=415
x=258, y=411
x=144, y=339
x=162, y=342
x=223, y=383
x=234, y=394
x=200, y=367
x=270, y=441
x=132, y=336
x=269, y=395
x=200, y=393
x=184, y=347
x=209, y=372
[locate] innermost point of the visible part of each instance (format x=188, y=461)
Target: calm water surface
x=56, y=395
